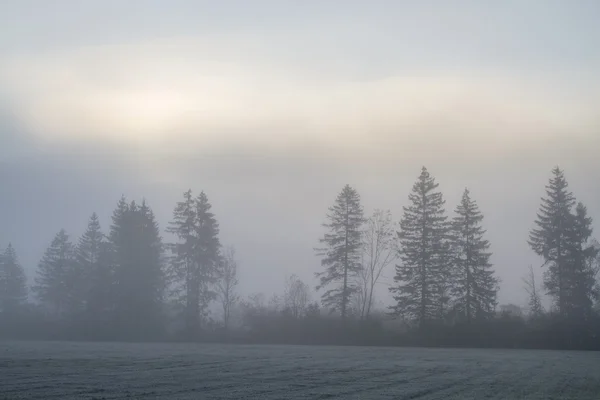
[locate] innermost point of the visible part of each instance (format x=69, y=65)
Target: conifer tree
x=93, y=257
x=57, y=277
x=13, y=283
x=195, y=257
x=580, y=282
x=422, y=279
x=550, y=237
x=475, y=286
x=342, y=250
x=138, y=274
x=87, y=254
x=209, y=251
x=561, y=237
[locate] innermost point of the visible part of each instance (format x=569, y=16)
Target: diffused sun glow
x=149, y=115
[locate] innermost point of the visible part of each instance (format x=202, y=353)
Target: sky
x=272, y=106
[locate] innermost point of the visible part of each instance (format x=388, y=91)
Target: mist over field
x=194, y=189
x=186, y=371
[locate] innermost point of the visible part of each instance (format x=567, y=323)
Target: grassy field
x=60, y=370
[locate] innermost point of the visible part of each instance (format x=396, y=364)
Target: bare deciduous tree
x=227, y=284
x=379, y=251
x=535, y=304
x=296, y=296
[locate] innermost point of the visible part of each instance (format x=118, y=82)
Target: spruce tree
x=13, y=283
x=475, y=286
x=550, y=237
x=94, y=258
x=138, y=275
x=57, y=277
x=423, y=277
x=342, y=250
x=195, y=257
x=87, y=254
x=561, y=237
x=209, y=252
x=579, y=276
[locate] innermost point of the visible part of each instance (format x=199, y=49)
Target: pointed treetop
x=467, y=204
x=94, y=222
x=558, y=184
x=122, y=201
x=425, y=181
x=556, y=171
x=203, y=198
x=348, y=192
x=10, y=253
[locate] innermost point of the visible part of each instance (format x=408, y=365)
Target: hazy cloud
x=272, y=108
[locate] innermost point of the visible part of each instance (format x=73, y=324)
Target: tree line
x=128, y=284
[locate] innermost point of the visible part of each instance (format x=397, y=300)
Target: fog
x=299, y=199
x=271, y=108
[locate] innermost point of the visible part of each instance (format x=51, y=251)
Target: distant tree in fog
x=57, y=278
x=275, y=303
x=550, y=237
x=581, y=279
x=423, y=277
x=562, y=238
x=341, y=251
x=194, y=266
x=87, y=254
x=94, y=256
x=227, y=284
x=595, y=267
x=138, y=270
x=254, y=310
x=13, y=283
x=512, y=310
x=378, y=252
x=296, y=296
x=474, y=284
x=536, y=309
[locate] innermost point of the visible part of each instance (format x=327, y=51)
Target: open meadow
x=70, y=370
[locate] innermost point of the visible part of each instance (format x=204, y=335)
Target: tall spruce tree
x=94, y=258
x=342, y=250
x=57, y=278
x=561, y=237
x=422, y=279
x=13, y=283
x=195, y=257
x=475, y=286
x=209, y=256
x=138, y=271
x=87, y=254
x=550, y=237
x=580, y=282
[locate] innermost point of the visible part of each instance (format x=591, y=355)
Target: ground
x=61, y=370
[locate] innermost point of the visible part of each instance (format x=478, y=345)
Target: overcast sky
x=270, y=107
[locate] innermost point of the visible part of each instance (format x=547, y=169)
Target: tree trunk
x=345, y=288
